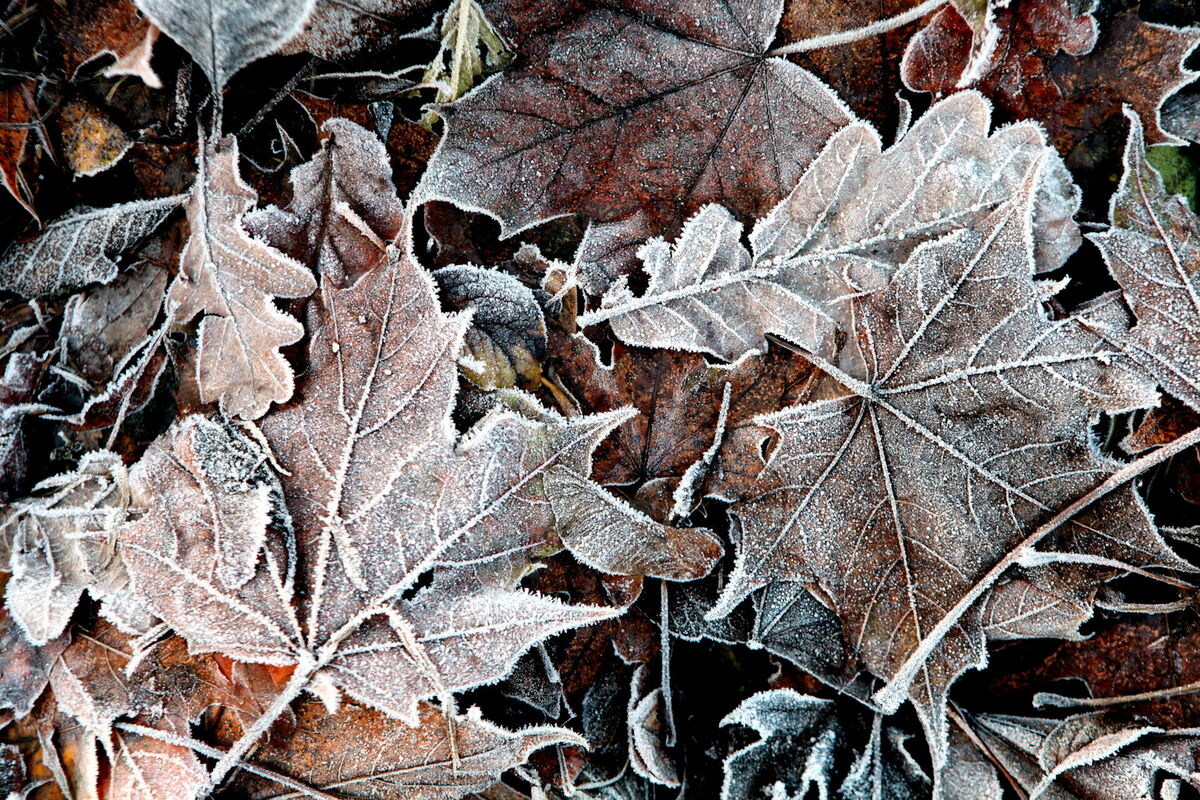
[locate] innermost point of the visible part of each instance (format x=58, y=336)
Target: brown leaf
x=91, y=141
x=614, y=110
x=1152, y=253
x=344, y=209
x=379, y=757
x=966, y=428
x=1049, y=65
x=19, y=112
x=338, y=30
x=91, y=29
x=233, y=279
x=24, y=667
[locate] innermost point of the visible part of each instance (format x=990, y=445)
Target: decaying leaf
x=78, y=248
x=222, y=36
x=610, y=110
x=233, y=280
x=92, y=142
x=338, y=30
x=967, y=426
x=92, y=29
x=101, y=326
x=18, y=109
x=1152, y=251
x=385, y=758
x=344, y=210
x=855, y=215
x=24, y=667
x=380, y=490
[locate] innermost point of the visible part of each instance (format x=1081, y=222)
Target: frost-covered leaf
x=92, y=141
x=344, y=209
x=613, y=109
x=1051, y=65
x=470, y=46
x=1088, y=756
x=101, y=326
x=79, y=247
x=966, y=427
x=233, y=280
x=339, y=30
x=381, y=490
x=24, y=667
x=62, y=542
x=506, y=342
x=222, y=36
x=806, y=742
x=382, y=758
x=647, y=730
x=1153, y=251
x=855, y=215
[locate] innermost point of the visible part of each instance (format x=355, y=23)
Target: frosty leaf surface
x=223, y=36
x=1152, y=251
x=622, y=107
x=232, y=280
x=967, y=426
x=78, y=248
x=857, y=212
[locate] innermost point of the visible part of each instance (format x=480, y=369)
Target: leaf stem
x=892, y=694
x=1042, y=699
x=858, y=34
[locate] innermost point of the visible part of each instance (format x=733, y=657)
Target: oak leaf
x=857, y=212
x=1152, y=251
x=610, y=110
x=965, y=428
x=233, y=280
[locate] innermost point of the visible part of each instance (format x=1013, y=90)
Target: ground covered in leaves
x=516, y=400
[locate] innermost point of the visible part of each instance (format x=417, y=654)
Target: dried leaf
x=78, y=248
x=18, y=109
x=63, y=542
x=470, y=47
x=856, y=213
x=222, y=36
x=24, y=667
x=344, y=208
x=233, y=280
x=338, y=30
x=383, y=758
x=627, y=108
x=1071, y=92
x=92, y=29
x=92, y=142
x=101, y=326
x=965, y=429
x=1152, y=252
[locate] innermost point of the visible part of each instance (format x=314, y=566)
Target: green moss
x=1179, y=168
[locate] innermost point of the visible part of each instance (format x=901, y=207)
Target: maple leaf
x=385, y=758
x=1152, y=252
x=1050, y=65
x=222, y=36
x=855, y=214
x=232, y=279
x=63, y=542
x=965, y=428
x=611, y=110
x=344, y=209
x=380, y=490
x=78, y=248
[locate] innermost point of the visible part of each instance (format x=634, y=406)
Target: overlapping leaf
x=854, y=216
x=1153, y=253
x=967, y=426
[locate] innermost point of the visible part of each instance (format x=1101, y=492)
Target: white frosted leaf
x=78, y=248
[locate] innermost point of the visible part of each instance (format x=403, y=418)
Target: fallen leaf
x=78, y=248
x=232, y=280
x=608, y=111
x=1150, y=250
x=857, y=212
x=91, y=29
x=338, y=30
x=91, y=141
x=965, y=429
x=222, y=36
x=20, y=113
